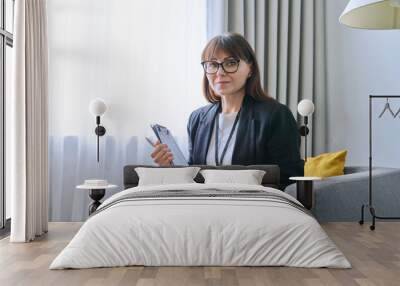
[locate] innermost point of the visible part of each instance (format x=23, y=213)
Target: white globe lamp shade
x=305, y=107
x=372, y=14
x=97, y=107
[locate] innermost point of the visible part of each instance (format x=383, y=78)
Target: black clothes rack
x=370, y=204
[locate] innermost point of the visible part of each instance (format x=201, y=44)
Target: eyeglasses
x=229, y=66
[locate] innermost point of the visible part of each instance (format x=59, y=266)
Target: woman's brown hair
x=236, y=46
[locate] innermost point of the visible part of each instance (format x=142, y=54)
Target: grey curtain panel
x=28, y=123
x=289, y=41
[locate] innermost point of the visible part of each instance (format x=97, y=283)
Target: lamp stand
x=304, y=132
x=100, y=131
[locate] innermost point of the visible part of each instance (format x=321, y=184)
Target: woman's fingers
x=166, y=159
x=162, y=154
x=159, y=148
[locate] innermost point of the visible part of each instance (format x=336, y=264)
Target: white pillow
x=248, y=177
x=165, y=176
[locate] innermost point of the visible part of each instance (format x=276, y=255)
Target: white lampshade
x=305, y=107
x=97, y=107
x=372, y=14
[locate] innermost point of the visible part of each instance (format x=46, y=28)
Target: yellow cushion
x=325, y=165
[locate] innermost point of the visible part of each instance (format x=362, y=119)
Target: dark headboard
x=270, y=179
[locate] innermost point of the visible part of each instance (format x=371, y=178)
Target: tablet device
x=165, y=137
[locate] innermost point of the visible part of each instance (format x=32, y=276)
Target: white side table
x=304, y=187
x=96, y=193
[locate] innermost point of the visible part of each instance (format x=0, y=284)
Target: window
x=6, y=44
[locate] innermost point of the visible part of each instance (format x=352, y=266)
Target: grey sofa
x=340, y=198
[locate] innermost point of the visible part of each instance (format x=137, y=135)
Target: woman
x=253, y=128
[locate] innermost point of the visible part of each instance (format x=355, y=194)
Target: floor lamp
x=381, y=15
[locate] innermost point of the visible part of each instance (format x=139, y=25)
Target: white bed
x=206, y=230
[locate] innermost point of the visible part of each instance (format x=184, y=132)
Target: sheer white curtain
x=143, y=58
x=27, y=129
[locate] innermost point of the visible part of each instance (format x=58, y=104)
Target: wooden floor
x=375, y=257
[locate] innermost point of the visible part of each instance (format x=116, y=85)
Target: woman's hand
x=162, y=154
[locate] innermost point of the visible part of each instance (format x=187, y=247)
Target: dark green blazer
x=267, y=134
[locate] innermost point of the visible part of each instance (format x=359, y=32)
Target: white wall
x=359, y=63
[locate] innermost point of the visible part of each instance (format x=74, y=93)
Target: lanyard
x=218, y=163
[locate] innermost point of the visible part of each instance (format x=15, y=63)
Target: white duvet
x=200, y=231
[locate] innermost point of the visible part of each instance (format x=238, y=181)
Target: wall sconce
x=97, y=107
x=305, y=108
